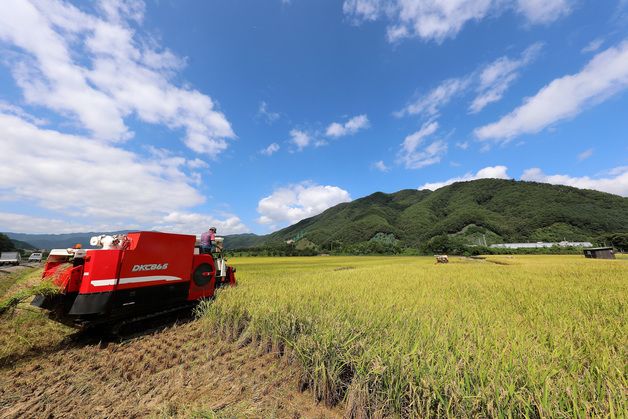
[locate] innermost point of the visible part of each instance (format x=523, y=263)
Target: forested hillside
x=476, y=212
x=487, y=209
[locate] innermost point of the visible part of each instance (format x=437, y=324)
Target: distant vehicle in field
x=35, y=257
x=10, y=258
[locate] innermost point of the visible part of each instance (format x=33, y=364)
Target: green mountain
x=6, y=244
x=243, y=241
x=494, y=210
x=19, y=244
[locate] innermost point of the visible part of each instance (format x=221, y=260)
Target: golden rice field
x=523, y=336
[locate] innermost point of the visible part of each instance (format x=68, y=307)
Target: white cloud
x=363, y=9
x=496, y=78
x=197, y=164
x=122, y=73
x=493, y=172
x=592, y=46
x=194, y=223
x=604, y=76
x=350, y=127
x=429, y=104
x=175, y=222
x=412, y=141
x=89, y=182
x=10, y=109
x=266, y=113
x=585, y=154
x=20, y=223
x=270, y=150
x=289, y=204
x=299, y=138
x=414, y=157
x=490, y=82
x=462, y=145
x=544, y=11
x=617, y=185
x=440, y=19
x=615, y=171
x=335, y=130
x=381, y=166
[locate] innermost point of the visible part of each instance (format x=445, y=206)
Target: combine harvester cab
x=130, y=276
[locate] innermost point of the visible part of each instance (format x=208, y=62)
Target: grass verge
x=24, y=329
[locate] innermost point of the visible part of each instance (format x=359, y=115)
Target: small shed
x=599, y=253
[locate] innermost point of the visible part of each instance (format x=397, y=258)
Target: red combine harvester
x=131, y=276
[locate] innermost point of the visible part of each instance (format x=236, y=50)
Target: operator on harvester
x=208, y=241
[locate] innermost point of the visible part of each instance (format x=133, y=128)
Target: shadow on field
x=120, y=333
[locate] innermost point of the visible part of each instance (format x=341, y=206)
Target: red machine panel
x=100, y=271
x=203, y=277
x=156, y=259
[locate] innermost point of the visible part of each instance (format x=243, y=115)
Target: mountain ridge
x=494, y=210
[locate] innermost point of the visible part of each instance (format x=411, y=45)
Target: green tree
x=6, y=245
x=618, y=240
x=444, y=244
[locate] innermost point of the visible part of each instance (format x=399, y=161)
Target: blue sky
x=251, y=115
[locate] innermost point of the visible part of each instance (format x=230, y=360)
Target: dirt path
x=180, y=371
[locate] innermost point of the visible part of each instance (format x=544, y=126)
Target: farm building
x=521, y=245
x=574, y=244
x=599, y=253
x=539, y=245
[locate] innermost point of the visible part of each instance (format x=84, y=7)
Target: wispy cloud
x=197, y=164
x=300, y=139
x=381, y=166
x=490, y=83
x=303, y=138
x=604, y=76
x=439, y=20
x=593, y=46
x=429, y=105
x=414, y=156
x=270, y=150
x=353, y=125
x=585, y=154
x=496, y=78
x=544, y=11
x=266, y=114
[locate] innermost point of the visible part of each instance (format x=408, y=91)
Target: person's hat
x=78, y=246
x=212, y=228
